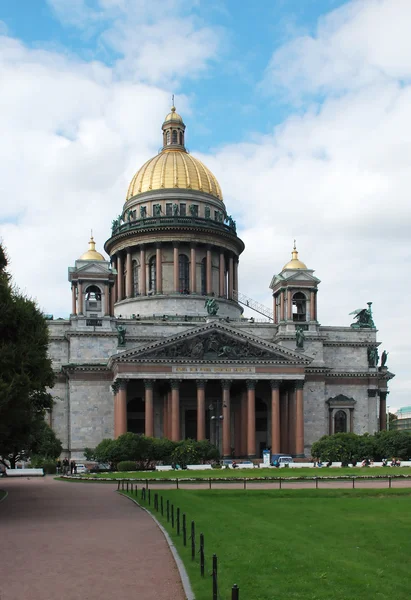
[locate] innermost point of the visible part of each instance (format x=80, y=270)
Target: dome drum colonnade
x=285, y=413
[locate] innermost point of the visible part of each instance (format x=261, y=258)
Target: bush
x=127, y=465
x=49, y=467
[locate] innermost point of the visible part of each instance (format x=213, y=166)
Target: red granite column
x=209, y=282
x=165, y=416
x=175, y=267
x=143, y=280
x=120, y=409
x=80, y=298
x=159, y=270
x=383, y=410
x=313, y=316
x=289, y=306
x=73, y=299
x=201, y=429
x=221, y=287
x=193, y=269
x=230, y=277
x=292, y=425
x=175, y=410
x=284, y=421
x=129, y=274
x=243, y=450
x=251, y=418
x=275, y=417
x=299, y=432
x=282, y=293
x=226, y=384
x=120, y=277
x=237, y=430
x=149, y=408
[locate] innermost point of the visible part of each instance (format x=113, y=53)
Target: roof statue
x=364, y=318
x=211, y=305
x=384, y=357
x=299, y=336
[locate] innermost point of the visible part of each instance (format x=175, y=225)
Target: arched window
x=152, y=275
x=93, y=293
x=168, y=136
x=181, y=139
x=174, y=139
x=135, y=279
x=340, y=422
x=204, y=277
x=299, y=307
x=183, y=274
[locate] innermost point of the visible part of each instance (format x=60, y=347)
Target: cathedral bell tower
x=295, y=296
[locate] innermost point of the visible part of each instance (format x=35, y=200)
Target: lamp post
x=216, y=419
x=388, y=418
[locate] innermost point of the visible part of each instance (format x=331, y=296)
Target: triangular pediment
x=214, y=342
x=95, y=268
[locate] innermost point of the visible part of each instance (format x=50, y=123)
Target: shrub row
x=141, y=452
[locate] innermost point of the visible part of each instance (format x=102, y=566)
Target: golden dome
x=174, y=169
x=294, y=263
x=173, y=116
x=92, y=253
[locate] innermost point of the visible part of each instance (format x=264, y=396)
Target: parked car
x=281, y=460
x=100, y=468
x=81, y=468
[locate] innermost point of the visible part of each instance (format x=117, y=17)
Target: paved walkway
x=79, y=541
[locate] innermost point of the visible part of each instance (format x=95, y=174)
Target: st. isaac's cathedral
x=157, y=343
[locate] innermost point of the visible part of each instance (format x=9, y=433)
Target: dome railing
x=171, y=221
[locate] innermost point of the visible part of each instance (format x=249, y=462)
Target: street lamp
x=216, y=419
x=388, y=418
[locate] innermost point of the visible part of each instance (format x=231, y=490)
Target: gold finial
x=173, y=108
x=294, y=253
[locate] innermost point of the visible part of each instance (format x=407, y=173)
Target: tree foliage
x=146, y=451
x=26, y=372
x=350, y=447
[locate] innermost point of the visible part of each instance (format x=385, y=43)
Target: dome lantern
x=173, y=130
x=294, y=263
x=92, y=253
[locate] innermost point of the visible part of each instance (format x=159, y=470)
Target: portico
x=240, y=401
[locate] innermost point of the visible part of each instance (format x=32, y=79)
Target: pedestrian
x=65, y=466
x=75, y=467
x=71, y=467
x=58, y=466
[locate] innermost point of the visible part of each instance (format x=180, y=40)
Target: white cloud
x=157, y=42
x=361, y=43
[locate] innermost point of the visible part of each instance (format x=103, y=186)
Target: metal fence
x=178, y=521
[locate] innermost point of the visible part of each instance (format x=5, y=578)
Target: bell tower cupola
x=173, y=131
x=295, y=294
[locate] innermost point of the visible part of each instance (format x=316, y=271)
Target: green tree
x=344, y=447
x=393, y=444
x=186, y=453
x=26, y=372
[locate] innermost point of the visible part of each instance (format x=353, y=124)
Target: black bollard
x=215, y=584
x=161, y=506
x=149, y=497
x=118, y=485
x=168, y=511
x=178, y=521
x=193, y=540
x=184, y=530
x=202, y=554
x=172, y=515
x=235, y=592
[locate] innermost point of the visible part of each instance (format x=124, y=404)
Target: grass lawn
x=299, y=544
x=229, y=473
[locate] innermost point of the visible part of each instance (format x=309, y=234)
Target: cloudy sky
x=302, y=109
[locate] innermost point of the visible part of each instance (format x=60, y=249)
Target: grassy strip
x=298, y=544
x=303, y=473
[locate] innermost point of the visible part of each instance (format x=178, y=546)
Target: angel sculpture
x=364, y=318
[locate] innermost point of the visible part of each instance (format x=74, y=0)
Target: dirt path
x=80, y=542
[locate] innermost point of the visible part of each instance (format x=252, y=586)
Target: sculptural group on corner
x=364, y=318
x=211, y=305
x=373, y=357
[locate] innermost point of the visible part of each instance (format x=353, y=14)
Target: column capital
x=193, y=244
x=159, y=245
x=251, y=383
x=275, y=384
x=149, y=383
x=119, y=384
x=299, y=384
x=176, y=244
x=201, y=383
x=175, y=384
x=226, y=384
